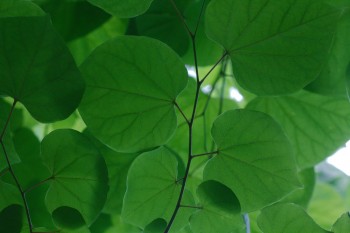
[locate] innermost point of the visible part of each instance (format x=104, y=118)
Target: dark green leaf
x=158, y=19
x=287, y=218
x=219, y=210
x=316, y=125
x=11, y=219
x=37, y=69
x=79, y=174
x=123, y=8
x=276, y=47
x=15, y=8
x=254, y=158
x=132, y=84
x=74, y=19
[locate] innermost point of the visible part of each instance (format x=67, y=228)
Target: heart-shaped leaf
x=254, y=158
x=132, y=84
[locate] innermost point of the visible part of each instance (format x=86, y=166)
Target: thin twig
x=207, y=153
x=183, y=21
x=7, y=120
x=214, y=66
x=199, y=18
x=193, y=207
x=37, y=184
x=182, y=113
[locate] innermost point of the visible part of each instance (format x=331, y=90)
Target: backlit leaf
x=132, y=84
x=276, y=47
x=152, y=188
x=219, y=210
x=78, y=174
x=316, y=125
x=254, y=158
x=287, y=218
x=342, y=225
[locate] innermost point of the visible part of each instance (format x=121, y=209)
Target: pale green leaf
x=287, y=218
x=132, y=84
x=37, y=69
x=342, y=225
x=254, y=158
x=316, y=125
x=78, y=174
x=276, y=47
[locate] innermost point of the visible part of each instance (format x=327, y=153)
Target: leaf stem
x=199, y=18
x=182, y=113
x=183, y=21
x=193, y=207
x=8, y=120
x=37, y=184
x=214, y=66
x=11, y=170
x=207, y=153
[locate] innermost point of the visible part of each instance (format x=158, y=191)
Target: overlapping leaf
x=132, y=84
x=316, y=125
x=78, y=175
x=152, y=188
x=15, y=8
x=276, y=47
x=37, y=69
x=219, y=210
x=287, y=218
x=342, y=225
x=123, y=8
x=254, y=158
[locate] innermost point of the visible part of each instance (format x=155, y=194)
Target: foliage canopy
x=103, y=129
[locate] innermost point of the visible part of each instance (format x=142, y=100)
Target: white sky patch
x=191, y=71
x=341, y=159
x=235, y=94
x=207, y=88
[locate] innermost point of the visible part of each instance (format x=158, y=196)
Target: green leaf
x=158, y=19
x=15, y=8
x=342, y=225
x=303, y=195
x=254, y=158
x=219, y=210
x=7, y=139
x=37, y=69
x=276, y=47
x=83, y=46
x=332, y=79
x=123, y=8
x=152, y=188
x=74, y=19
x=30, y=170
x=316, y=125
x=141, y=78
x=9, y=195
x=287, y=218
x=118, y=165
x=326, y=199
x=78, y=174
